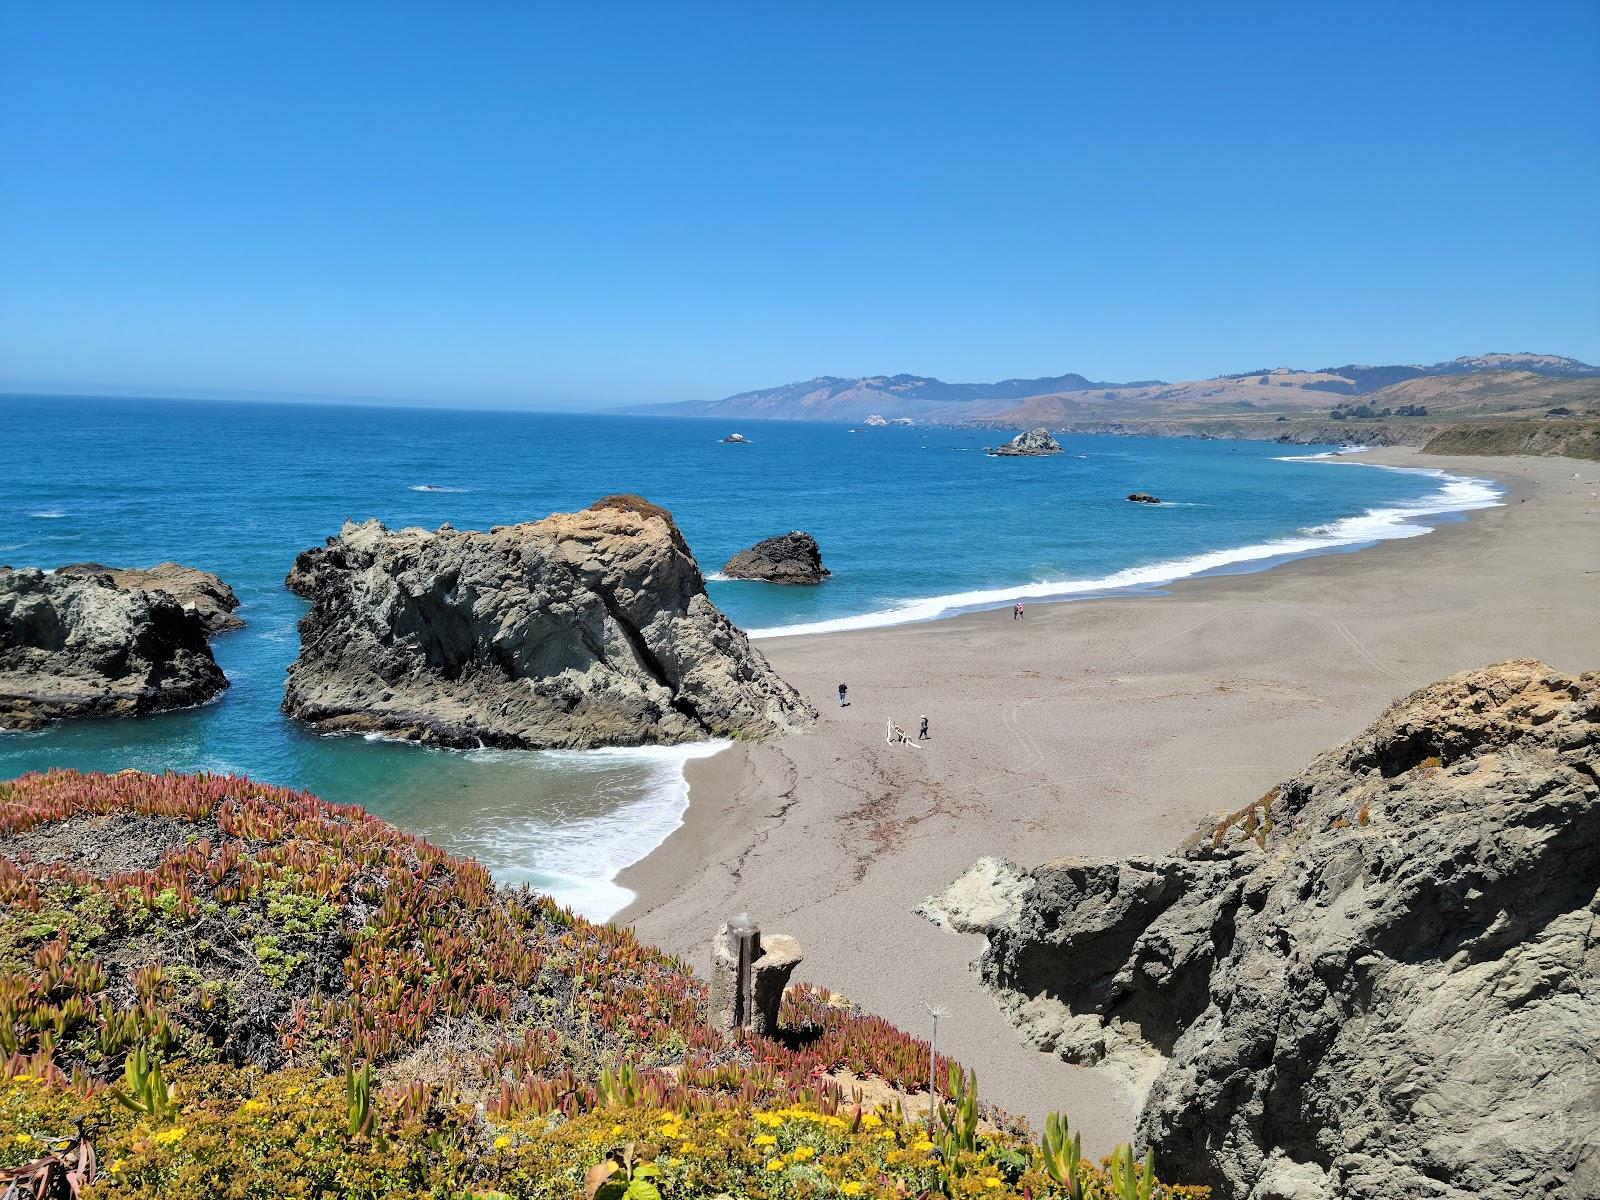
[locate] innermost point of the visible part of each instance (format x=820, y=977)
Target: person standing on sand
x=842, y=701
x=922, y=734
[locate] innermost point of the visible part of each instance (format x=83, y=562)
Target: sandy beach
x=1101, y=727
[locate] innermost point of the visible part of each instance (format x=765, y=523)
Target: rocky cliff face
x=81, y=646
x=199, y=591
x=1034, y=442
x=584, y=629
x=788, y=558
x=1378, y=980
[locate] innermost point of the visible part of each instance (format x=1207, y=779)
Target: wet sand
x=1100, y=727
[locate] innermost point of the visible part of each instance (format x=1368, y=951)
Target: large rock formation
x=77, y=645
x=583, y=629
x=1378, y=980
x=199, y=591
x=1027, y=445
x=788, y=558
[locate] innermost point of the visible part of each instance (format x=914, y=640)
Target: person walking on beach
x=1016, y=612
x=842, y=701
x=922, y=734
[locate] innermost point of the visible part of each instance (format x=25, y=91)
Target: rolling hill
x=1475, y=384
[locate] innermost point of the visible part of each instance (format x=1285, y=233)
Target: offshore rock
x=788, y=558
x=1377, y=980
x=583, y=629
x=200, y=592
x=78, y=645
x=1143, y=498
x=1034, y=442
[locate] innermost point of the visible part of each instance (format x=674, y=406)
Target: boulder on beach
x=1031, y=444
x=78, y=644
x=736, y=439
x=199, y=591
x=788, y=558
x=1143, y=498
x=1377, y=980
x=584, y=629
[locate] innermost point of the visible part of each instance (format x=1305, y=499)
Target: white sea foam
x=1326, y=454
x=717, y=577
x=428, y=487
x=578, y=860
x=1458, y=493
x=48, y=514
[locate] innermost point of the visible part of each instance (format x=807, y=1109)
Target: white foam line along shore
x=577, y=862
x=1459, y=493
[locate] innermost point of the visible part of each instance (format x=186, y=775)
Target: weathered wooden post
x=748, y=977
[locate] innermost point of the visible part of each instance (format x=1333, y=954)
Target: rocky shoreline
x=1361, y=984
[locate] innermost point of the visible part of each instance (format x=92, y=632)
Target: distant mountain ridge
x=834, y=397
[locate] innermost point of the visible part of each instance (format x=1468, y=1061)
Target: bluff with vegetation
x=1375, y=981
x=1566, y=437
x=584, y=629
x=229, y=990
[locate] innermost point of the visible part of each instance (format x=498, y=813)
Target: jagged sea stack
x=1377, y=980
x=584, y=629
x=788, y=558
x=1032, y=444
x=78, y=645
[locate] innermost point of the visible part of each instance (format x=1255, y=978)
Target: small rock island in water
x=1028, y=445
x=584, y=629
x=793, y=558
x=95, y=642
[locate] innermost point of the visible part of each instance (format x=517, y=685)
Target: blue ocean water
x=914, y=523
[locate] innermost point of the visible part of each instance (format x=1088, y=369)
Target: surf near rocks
x=581, y=630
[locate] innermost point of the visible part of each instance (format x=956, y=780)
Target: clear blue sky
x=591, y=203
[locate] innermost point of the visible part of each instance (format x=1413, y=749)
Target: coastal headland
x=1103, y=727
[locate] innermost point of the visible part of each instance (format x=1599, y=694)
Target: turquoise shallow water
x=914, y=523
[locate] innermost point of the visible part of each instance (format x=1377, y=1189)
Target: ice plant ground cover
x=240, y=990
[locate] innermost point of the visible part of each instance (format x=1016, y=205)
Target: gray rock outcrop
x=78, y=645
x=1143, y=498
x=1377, y=980
x=793, y=558
x=583, y=629
x=199, y=591
x=1031, y=444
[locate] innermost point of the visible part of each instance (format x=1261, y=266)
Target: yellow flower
x=23, y=1139
x=765, y=1139
x=770, y=1120
x=872, y=1120
x=991, y=1182
x=801, y=1153
x=168, y=1136
x=776, y=1164
x=687, y=1147
x=852, y=1188
x=501, y=1142
x=616, y=1129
